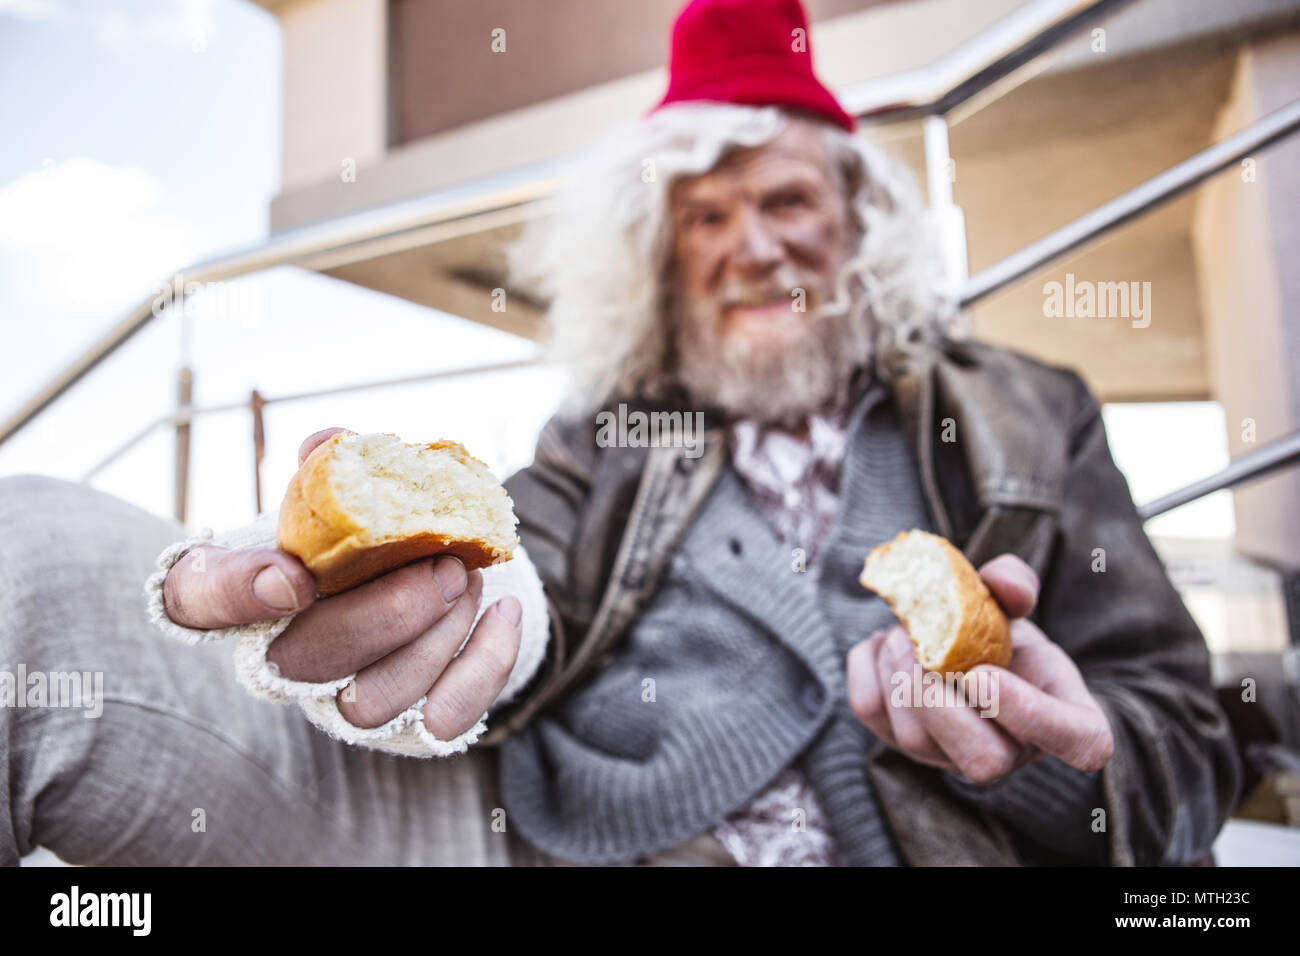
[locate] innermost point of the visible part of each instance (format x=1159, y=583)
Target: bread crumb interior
x=917, y=575
x=406, y=490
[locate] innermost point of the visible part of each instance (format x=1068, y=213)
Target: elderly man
x=680, y=665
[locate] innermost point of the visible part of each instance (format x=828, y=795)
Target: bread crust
x=314, y=527
x=983, y=634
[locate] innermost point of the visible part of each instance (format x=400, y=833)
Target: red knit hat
x=752, y=52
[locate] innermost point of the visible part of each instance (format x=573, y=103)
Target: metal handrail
x=973, y=67
x=448, y=210
x=185, y=414
x=1248, y=467
x=993, y=55
x=1159, y=189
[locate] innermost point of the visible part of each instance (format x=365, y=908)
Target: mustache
x=782, y=287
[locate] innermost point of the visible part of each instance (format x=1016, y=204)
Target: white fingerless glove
x=405, y=734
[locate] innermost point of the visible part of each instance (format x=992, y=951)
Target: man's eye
x=706, y=219
x=790, y=200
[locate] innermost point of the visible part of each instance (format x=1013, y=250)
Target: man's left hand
x=1043, y=705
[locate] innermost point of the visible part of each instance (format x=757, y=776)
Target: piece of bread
x=953, y=620
x=362, y=505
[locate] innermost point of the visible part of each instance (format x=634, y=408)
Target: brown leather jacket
x=1030, y=472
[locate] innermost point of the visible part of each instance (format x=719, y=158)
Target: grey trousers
x=169, y=761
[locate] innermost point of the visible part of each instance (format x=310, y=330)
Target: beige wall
x=1247, y=245
x=848, y=48
x=559, y=87
x=335, y=89
x=445, y=72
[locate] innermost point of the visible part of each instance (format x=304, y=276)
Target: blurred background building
x=449, y=118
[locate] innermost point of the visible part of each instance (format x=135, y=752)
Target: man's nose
x=756, y=247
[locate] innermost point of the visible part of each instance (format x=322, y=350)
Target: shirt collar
x=774, y=458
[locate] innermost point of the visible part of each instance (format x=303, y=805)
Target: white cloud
x=187, y=24
x=32, y=9
x=81, y=234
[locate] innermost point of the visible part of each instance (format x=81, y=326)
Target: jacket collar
x=966, y=408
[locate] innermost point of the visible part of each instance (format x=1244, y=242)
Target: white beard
x=782, y=386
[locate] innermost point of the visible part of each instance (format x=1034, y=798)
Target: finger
x=472, y=682
x=1076, y=733
x=344, y=633
x=316, y=438
x=1039, y=661
x=897, y=662
x=866, y=696
x=1013, y=583
x=1046, y=665
x=1025, y=754
x=975, y=744
x=393, y=683
x=217, y=587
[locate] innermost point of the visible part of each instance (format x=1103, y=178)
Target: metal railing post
x=257, y=403
x=948, y=219
x=184, y=396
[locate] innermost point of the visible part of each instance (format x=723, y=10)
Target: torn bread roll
x=362, y=505
x=953, y=620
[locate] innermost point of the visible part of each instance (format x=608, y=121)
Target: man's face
x=752, y=232
x=757, y=244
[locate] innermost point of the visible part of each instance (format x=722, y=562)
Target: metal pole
x=1172, y=182
x=948, y=218
x=184, y=395
x=1248, y=467
x=259, y=445
x=984, y=60
x=426, y=220
x=189, y=412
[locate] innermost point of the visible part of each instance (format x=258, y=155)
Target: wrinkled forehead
x=797, y=153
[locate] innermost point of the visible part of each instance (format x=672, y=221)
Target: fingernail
x=900, y=643
x=1030, y=578
x=508, y=607
x=273, y=589
x=449, y=575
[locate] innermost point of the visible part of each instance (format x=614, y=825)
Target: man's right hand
x=399, y=632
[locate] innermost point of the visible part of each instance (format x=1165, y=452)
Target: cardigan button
x=812, y=699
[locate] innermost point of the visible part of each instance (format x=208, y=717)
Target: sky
x=142, y=136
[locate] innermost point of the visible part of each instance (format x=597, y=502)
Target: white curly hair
x=602, y=254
